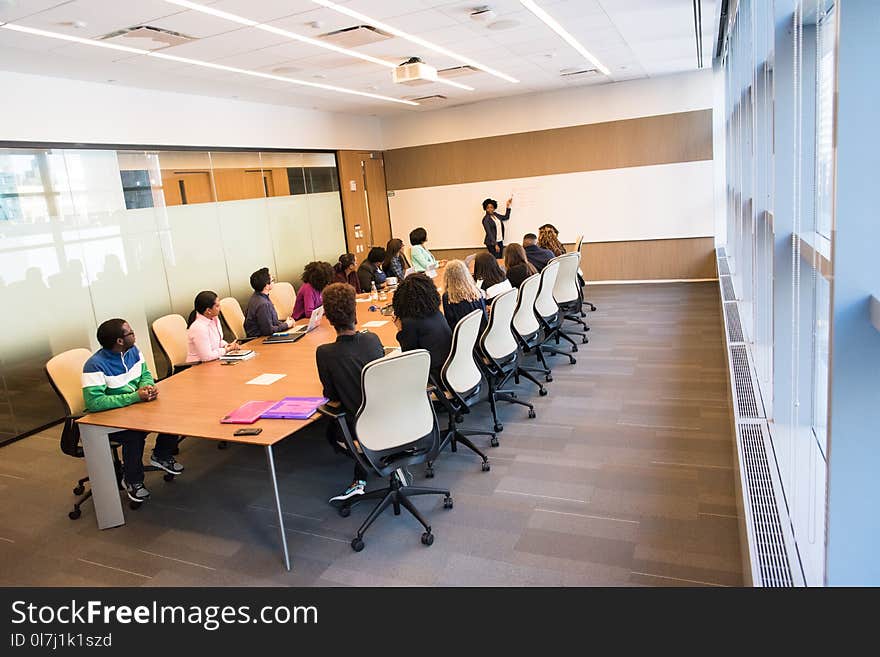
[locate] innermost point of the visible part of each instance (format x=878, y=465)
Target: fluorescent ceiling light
x=198, y=62
x=241, y=20
x=570, y=40
x=414, y=39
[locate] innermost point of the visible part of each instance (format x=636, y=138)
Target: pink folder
x=247, y=413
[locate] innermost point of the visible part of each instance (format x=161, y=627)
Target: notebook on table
x=294, y=408
x=238, y=354
x=298, y=332
x=247, y=413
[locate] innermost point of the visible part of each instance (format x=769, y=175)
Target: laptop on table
x=298, y=332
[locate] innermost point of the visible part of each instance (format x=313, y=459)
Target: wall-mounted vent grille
x=746, y=400
x=773, y=563
x=734, y=327
x=727, y=289
x=723, y=267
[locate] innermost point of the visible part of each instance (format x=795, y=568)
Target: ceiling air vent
x=456, y=71
x=147, y=37
x=579, y=72
x=428, y=101
x=352, y=37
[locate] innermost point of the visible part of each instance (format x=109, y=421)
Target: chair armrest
x=332, y=410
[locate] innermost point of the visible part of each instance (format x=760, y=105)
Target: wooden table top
x=192, y=402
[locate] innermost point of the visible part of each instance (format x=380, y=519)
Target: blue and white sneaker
x=356, y=488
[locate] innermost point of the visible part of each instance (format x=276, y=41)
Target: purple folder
x=294, y=408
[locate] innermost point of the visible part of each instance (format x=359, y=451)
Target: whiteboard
x=636, y=203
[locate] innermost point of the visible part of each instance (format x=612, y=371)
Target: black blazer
x=538, y=256
x=491, y=231
x=516, y=275
x=453, y=312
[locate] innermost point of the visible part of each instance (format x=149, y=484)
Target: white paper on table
x=375, y=323
x=266, y=379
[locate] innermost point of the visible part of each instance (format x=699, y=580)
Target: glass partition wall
x=90, y=234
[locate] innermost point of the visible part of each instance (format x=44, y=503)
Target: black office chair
x=459, y=388
x=64, y=372
x=393, y=432
x=499, y=354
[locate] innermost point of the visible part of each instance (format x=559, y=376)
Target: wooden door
x=377, y=199
x=187, y=187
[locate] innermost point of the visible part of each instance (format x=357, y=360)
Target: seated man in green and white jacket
x=115, y=376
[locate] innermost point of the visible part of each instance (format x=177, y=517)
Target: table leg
x=270, y=458
x=102, y=475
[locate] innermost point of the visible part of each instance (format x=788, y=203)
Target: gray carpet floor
x=624, y=478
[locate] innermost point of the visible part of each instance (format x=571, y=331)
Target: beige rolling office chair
x=283, y=297
x=170, y=332
x=65, y=376
x=393, y=432
x=567, y=290
x=230, y=311
x=582, y=278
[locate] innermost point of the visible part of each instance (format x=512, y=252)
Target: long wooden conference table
x=192, y=402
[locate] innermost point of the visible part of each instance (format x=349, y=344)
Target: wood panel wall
x=688, y=258
x=663, y=139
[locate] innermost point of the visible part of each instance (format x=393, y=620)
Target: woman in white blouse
x=205, y=336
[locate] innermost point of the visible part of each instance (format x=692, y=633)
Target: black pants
x=337, y=441
x=133, y=452
x=499, y=253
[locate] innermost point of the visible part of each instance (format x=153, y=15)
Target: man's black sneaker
x=169, y=465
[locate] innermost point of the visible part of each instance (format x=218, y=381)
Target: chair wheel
x=532, y=415
x=79, y=490
x=494, y=441
x=168, y=476
x=75, y=514
x=486, y=467
x=574, y=347
x=222, y=444
x=345, y=511
x=357, y=544
x=499, y=427
x=542, y=392
x=134, y=506
x=572, y=361
x=548, y=378
x=429, y=472
x=427, y=538
x=447, y=502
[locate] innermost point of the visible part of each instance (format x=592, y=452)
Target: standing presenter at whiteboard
x=493, y=225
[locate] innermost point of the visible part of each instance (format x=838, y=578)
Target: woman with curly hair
x=316, y=276
x=421, y=325
x=462, y=295
x=548, y=238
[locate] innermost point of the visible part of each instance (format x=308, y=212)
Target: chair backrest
x=577, y=244
x=525, y=323
x=170, y=332
x=494, y=290
x=391, y=421
x=566, y=288
x=460, y=373
x=65, y=374
x=283, y=297
x=232, y=314
x=545, y=304
x=497, y=340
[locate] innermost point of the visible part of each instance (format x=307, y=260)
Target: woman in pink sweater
x=205, y=336
x=316, y=276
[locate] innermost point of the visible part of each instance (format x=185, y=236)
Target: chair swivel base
x=396, y=496
x=455, y=436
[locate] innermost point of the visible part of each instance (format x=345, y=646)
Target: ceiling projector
x=414, y=72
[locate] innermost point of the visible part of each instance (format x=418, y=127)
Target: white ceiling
x=633, y=38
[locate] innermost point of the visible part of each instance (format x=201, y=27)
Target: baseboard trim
x=653, y=280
